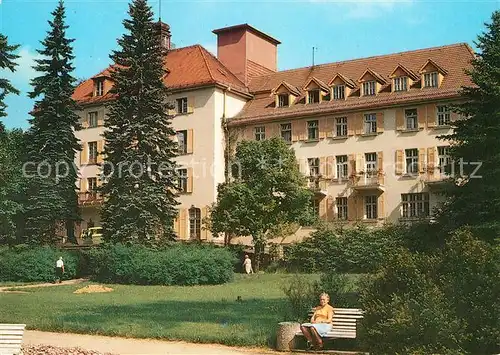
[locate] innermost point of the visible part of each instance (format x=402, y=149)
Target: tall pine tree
x=474, y=195
x=51, y=143
x=140, y=182
x=7, y=58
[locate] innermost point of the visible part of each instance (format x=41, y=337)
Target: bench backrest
x=344, y=322
x=11, y=338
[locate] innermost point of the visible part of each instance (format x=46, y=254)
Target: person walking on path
x=248, y=265
x=59, y=269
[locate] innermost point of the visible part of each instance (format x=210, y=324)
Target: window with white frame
x=415, y=205
x=370, y=123
x=411, y=118
x=182, y=181
x=182, y=142
x=444, y=158
x=411, y=156
x=313, y=166
x=401, y=83
x=342, y=166
x=194, y=223
x=182, y=105
x=99, y=87
x=260, y=133
x=313, y=96
x=341, y=203
x=92, y=152
x=341, y=126
x=371, y=164
x=92, y=184
x=369, y=88
x=443, y=115
x=339, y=92
x=371, y=207
x=93, y=121
x=431, y=80
x=286, y=132
x=283, y=100
x=312, y=130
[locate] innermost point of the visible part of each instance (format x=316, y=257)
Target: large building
x=365, y=131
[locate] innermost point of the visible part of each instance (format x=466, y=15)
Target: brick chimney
x=246, y=51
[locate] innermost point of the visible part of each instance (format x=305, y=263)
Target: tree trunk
x=259, y=249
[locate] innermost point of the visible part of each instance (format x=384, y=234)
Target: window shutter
x=431, y=160
x=330, y=126
x=295, y=131
x=431, y=116
x=204, y=231
x=323, y=127
x=100, y=149
x=302, y=130
x=83, y=185
x=421, y=160
x=351, y=208
x=269, y=130
x=454, y=116
x=380, y=122
x=322, y=209
x=329, y=167
x=360, y=207
x=352, y=164
x=190, y=103
x=322, y=166
x=351, y=124
x=358, y=123
x=400, y=119
x=399, y=162
x=360, y=166
x=380, y=161
x=183, y=223
x=176, y=225
x=421, y=117
x=330, y=209
x=190, y=180
x=84, y=153
x=100, y=117
x=190, y=141
x=380, y=207
x=85, y=121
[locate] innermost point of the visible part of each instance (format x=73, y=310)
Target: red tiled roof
x=188, y=67
x=453, y=58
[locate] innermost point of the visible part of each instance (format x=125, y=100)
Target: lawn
x=197, y=314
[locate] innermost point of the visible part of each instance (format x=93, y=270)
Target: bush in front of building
x=180, y=264
x=347, y=250
x=24, y=263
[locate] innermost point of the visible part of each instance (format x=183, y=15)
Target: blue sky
x=338, y=29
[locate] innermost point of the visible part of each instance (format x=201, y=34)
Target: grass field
x=198, y=314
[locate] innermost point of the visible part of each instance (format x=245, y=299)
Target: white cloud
x=365, y=8
x=24, y=70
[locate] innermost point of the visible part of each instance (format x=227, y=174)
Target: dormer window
x=431, y=80
x=99, y=87
x=339, y=92
x=283, y=100
x=313, y=96
x=400, y=83
x=369, y=88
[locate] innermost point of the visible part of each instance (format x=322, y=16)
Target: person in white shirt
x=248, y=265
x=59, y=269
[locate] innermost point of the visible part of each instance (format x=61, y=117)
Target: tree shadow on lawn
x=250, y=322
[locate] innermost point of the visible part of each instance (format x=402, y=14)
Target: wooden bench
x=11, y=338
x=344, y=323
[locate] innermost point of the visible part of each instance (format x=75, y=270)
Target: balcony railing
x=434, y=176
x=317, y=185
x=368, y=180
x=89, y=198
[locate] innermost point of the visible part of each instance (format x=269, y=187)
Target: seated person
x=321, y=323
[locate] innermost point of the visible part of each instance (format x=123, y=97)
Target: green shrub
x=301, y=297
x=29, y=264
x=353, y=250
x=173, y=265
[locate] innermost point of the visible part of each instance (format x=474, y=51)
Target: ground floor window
x=194, y=223
x=371, y=207
x=415, y=205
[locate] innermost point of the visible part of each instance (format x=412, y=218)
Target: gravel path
x=48, y=284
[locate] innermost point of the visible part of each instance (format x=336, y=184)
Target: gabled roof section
x=187, y=67
x=318, y=82
x=348, y=82
x=291, y=89
x=435, y=65
x=408, y=72
x=373, y=73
